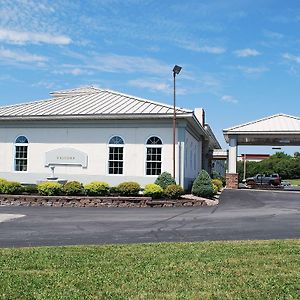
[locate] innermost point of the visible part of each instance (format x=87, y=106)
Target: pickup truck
x=273, y=179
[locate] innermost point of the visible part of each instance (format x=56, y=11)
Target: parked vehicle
x=273, y=179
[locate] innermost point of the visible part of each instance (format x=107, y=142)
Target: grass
x=294, y=181
x=209, y=270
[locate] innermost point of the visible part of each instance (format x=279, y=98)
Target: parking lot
x=241, y=214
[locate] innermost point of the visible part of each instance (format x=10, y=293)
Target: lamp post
x=176, y=71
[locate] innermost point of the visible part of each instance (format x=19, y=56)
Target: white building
x=90, y=134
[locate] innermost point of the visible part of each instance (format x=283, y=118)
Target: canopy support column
x=232, y=176
x=232, y=154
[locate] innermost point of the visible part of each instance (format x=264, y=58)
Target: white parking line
x=272, y=191
x=7, y=217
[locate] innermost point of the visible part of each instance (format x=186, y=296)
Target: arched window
x=153, y=158
x=21, y=153
x=115, y=159
x=154, y=140
x=116, y=140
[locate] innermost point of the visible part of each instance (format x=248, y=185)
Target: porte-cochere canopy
x=277, y=130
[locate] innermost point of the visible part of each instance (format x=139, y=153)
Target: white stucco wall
x=91, y=140
x=193, y=156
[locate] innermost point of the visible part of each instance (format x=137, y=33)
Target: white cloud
x=156, y=85
x=253, y=70
x=291, y=57
x=246, y=52
x=18, y=56
x=212, y=50
x=273, y=34
x=229, y=99
x=44, y=84
x=127, y=64
x=114, y=63
x=152, y=85
x=204, y=49
x=76, y=71
x=210, y=81
x=23, y=37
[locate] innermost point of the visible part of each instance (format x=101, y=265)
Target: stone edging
x=77, y=201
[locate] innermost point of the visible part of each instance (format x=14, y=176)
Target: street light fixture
x=176, y=71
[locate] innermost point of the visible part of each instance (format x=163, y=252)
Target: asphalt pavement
x=241, y=215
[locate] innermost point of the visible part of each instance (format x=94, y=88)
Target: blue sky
x=240, y=58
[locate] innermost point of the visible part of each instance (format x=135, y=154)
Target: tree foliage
x=165, y=179
x=202, y=185
x=287, y=166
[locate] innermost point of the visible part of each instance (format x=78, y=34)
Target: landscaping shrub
x=49, y=188
x=223, y=179
x=153, y=190
x=12, y=187
x=30, y=189
x=216, y=175
x=129, y=188
x=202, y=185
x=173, y=191
x=165, y=179
x=113, y=190
x=218, y=183
x=2, y=183
x=73, y=188
x=97, y=188
x=215, y=188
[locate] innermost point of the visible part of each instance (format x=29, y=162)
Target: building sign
x=66, y=156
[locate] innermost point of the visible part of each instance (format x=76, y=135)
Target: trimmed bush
x=97, y=188
x=129, y=188
x=153, y=190
x=50, y=188
x=30, y=189
x=113, y=190
x=12, y=187
x=165, y=179
x=218, y=183
x=2, y=184
x=173, y=191
x=73, y=188
x=202, y=185
x=216, y=175
x=215, y=188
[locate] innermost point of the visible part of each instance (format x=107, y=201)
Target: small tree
x=165, y=179
x=202, y=185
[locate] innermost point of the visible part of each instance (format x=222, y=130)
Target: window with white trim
x=21, y=153
x=116, y=153
x=153, y=156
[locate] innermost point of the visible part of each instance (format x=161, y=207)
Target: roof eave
x=93, y=117
x=260, y=132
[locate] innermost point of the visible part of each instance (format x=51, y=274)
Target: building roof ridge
x=260, y=120
x=83, y=99
x=147, y=100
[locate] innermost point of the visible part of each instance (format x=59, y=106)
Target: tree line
x=287, y=166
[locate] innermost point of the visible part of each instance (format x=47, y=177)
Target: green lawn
x=294, y=181
x=210, y=270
